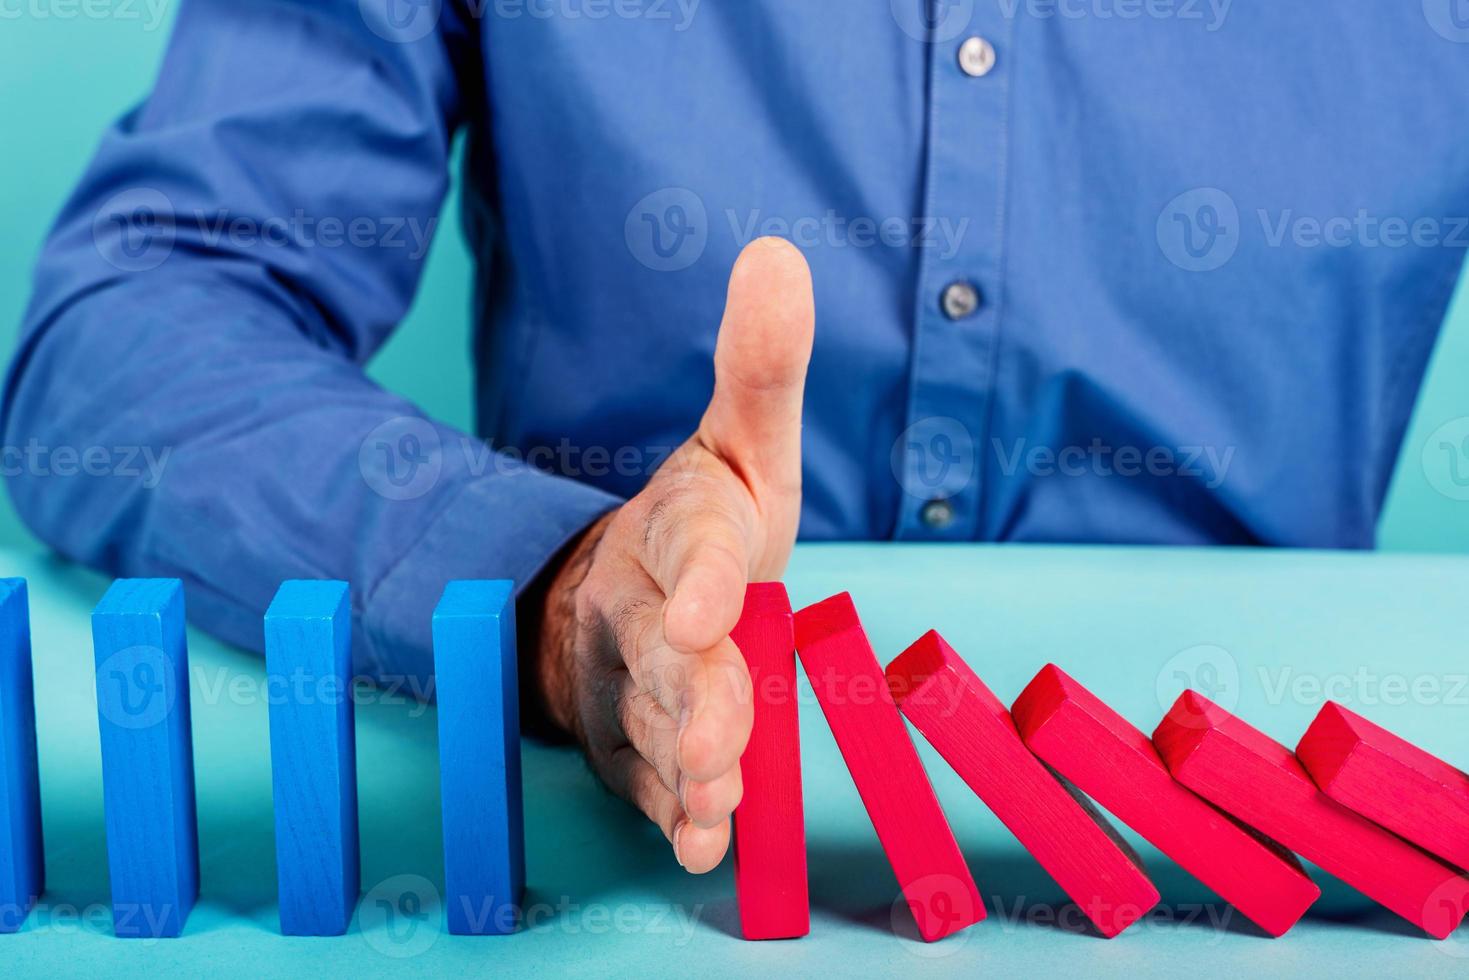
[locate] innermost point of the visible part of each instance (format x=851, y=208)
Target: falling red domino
x=1248, y=774
x=880, y=755
x=1112, y=761
x=1367, y=768
x=769, y=829
x=971, y=729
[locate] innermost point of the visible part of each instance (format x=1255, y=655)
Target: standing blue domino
x=147, y=756
x=313, y=756
x=479, y=757
x=22, y=872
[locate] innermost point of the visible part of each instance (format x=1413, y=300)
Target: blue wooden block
x=147, y=756
x=22, y=869
x=479, y=757
x=313, y=756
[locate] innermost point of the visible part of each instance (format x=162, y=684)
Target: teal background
x=66, y=75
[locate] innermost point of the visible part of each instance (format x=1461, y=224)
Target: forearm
x=232, y=257
x=277, y=459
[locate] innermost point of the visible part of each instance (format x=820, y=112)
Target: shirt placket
x=959, y=282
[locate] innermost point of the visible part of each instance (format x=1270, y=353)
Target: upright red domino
x=880, y=755
x=1113, y=762
x=972, y=730
x=1248, y=774
x=769, y=828
x=1367, y=768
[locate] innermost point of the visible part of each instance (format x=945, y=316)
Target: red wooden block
x=971, y=729
x=874, y=742
x=1245, y=772
x=1389, y=781
x=769, y=827
x=1112, y=761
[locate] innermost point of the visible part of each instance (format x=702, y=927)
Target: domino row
x=1219, y=797
x=142, y=680
x=1208, y=790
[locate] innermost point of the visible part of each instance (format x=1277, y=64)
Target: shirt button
x=976, y=57
x=937, y=514
x=960, y=300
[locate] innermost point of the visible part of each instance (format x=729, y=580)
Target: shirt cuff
x=505, y=527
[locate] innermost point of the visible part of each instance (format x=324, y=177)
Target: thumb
x=754, y=418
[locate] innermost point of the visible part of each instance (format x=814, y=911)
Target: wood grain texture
x=1113, y=762
x=1390, y=781
x=147, y=756
x=972, y=730
x=479, y=757
x=880, y=755
x=313, y=756
x=1248, y=774
x=769, y=823
x=22, y=864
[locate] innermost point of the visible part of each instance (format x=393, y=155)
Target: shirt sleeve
x=188, y=398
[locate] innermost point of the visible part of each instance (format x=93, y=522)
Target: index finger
x=697, y=550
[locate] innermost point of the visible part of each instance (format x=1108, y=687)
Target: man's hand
x=635, y=657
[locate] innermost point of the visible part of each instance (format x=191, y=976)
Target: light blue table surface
x=1269, y=633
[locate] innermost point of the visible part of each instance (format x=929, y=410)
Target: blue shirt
x=1163, y=272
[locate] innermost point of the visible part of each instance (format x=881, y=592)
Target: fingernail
x=678, y=844
x=683, y=785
